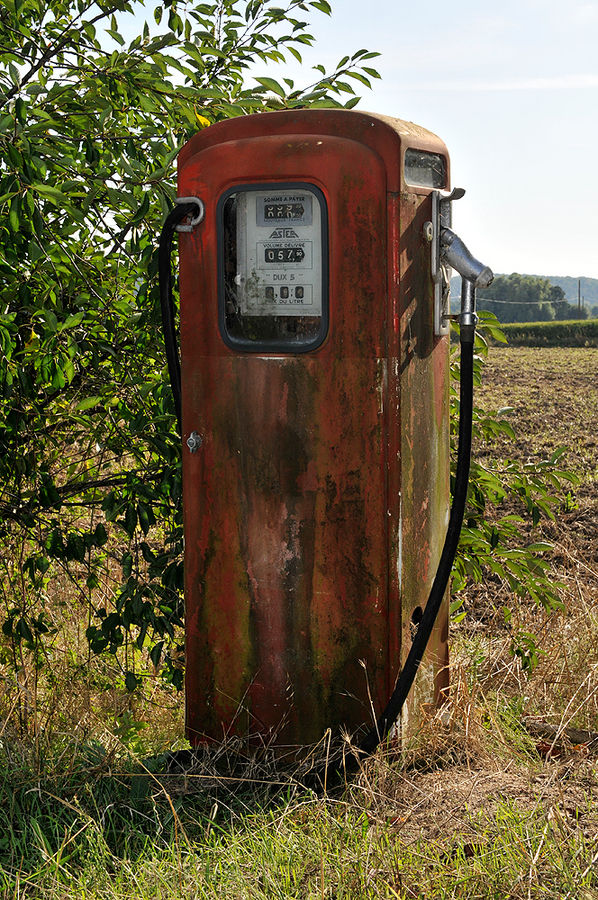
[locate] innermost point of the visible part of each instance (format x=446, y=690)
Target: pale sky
x=512, y=89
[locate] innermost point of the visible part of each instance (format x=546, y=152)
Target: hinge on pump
x=441, y=272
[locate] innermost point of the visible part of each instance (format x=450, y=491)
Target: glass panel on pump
x=273, y=268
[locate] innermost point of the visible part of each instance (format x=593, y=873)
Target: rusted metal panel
x=425, y=454
x=317, y=504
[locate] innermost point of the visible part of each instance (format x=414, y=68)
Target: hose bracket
x=192, y=220
x=440, y=270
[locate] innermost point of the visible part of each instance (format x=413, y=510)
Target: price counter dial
x=279, y=253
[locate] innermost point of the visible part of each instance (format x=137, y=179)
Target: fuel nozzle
x=474, y=274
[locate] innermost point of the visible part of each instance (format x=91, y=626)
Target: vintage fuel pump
x=313, y=398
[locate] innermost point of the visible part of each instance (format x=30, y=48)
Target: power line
x=517, y=302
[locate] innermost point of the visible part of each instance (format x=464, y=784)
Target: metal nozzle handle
x=456, y=254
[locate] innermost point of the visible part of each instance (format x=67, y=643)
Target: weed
x=472, y=805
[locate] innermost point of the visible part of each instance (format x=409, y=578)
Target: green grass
x=469, y=810
x=475, y=808
x=303, y=848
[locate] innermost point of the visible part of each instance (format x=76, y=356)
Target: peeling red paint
x=316, y=507
x=308, y=480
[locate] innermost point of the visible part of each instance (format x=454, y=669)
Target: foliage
x=553, y=334
x=90, y=126
x=506, y=501
x=527, y=298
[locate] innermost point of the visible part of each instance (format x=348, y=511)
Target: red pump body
x=316, y=506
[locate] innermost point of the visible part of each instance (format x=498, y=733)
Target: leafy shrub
x=90, y=489
x=506, y=501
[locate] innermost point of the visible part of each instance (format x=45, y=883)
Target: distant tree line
x=588, y=287
x=529, y=298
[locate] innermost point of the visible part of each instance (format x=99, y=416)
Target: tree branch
x=52, y=50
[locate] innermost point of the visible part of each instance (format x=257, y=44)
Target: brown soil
x=553, y=396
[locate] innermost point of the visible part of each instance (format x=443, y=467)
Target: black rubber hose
x=409, y=671
x=169, y=331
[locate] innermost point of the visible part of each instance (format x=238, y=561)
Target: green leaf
x=13, y=216
x=20, y=110
x=131, y=681
x=156, y=653
x=130, y=521
x=51, y=193
x=359, y=77
x=22, y=630
x=322, y=5
x=142, y=211
x=100, y=534
x=143, y=515
x=115, y=36
x=75, y=547
x=14, y=73
x=88, y=403
x=127, y=564
x=271, y=85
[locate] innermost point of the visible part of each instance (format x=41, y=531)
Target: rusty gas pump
x=313, y=400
